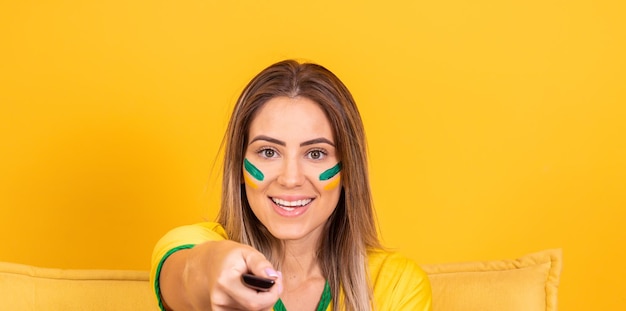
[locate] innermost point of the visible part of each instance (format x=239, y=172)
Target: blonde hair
x=351, y=230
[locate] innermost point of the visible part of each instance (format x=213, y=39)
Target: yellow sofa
x=528, y=283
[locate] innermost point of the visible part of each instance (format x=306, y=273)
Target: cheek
x=330, y=191
x=331, y=178
x=256, y=176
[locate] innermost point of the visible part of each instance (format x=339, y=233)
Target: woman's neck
x=302, y=275
x=300, y=262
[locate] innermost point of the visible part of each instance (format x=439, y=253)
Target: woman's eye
x=316, y=154
x=268, y=153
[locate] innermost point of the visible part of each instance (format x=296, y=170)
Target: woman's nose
x=291, y=174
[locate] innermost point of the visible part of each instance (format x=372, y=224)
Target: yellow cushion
x=31, y=288
x=529, y=283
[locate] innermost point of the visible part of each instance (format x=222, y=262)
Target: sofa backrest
x=28, y=288
x=528, y=283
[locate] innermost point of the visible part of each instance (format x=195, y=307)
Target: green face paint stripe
x=255, y=172
x=331, y=172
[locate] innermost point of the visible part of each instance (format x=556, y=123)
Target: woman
x=296, y=208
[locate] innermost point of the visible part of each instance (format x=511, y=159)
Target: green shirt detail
x=322, y=306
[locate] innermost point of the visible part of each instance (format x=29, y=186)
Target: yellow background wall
x=496, y=128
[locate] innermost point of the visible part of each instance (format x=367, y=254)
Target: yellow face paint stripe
x=333, y=183
x=249, y=181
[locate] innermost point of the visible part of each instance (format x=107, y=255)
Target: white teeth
x=289, y=205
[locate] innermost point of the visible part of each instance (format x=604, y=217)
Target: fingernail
x=271, y=272
x=280, y=283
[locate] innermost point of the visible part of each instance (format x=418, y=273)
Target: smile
x=290, y=205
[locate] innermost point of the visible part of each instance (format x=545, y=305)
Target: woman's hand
x=208, y=277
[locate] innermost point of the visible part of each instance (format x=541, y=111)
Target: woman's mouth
x=292, y=208
x=291, y=205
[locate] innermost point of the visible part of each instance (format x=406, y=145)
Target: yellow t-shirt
x=397, y=282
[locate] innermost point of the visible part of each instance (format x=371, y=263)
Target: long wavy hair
x=351, y=230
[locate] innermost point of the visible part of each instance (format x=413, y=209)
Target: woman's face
x=291, y=168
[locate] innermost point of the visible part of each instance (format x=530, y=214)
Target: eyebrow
x=314, y=141
x=320, y=140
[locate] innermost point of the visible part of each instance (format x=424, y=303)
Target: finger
x=236, y=296
x=250, y=299
x=258, y=265
x=233, y=293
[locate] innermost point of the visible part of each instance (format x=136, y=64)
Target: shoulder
x=181, y=238
x=393, y=265
x=195, y=234
x=185, y=237
x=398, y=282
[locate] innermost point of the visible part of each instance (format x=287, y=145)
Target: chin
x=282, y=234
x=294, y=232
